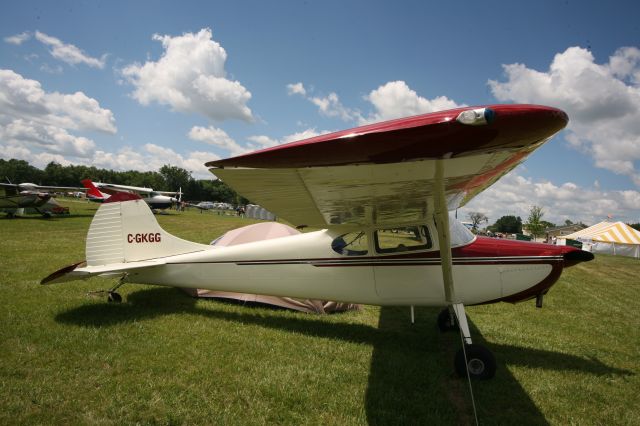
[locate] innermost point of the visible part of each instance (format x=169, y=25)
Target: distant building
x=560, y=231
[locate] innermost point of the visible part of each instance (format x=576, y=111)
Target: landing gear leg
x=473, y=360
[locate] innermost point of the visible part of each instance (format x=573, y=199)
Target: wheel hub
x=476, y=366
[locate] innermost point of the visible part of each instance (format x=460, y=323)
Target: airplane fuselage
x=486, y=270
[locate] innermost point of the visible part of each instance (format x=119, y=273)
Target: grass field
x=162, y=357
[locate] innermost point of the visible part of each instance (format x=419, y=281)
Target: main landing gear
x=473, y=360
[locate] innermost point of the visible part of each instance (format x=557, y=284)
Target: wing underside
x=386, y=174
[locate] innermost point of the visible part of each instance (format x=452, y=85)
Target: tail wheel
x=114, y=297
x=480, y=362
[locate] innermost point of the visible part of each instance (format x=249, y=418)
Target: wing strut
x=441, y=216
x=472, y=360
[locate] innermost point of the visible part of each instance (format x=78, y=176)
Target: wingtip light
x=476, y=117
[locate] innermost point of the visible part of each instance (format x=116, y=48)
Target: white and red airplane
x=382, y=194
x=157, y=200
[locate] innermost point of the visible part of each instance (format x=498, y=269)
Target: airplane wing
x=391, y=172
x=120, y=188
x=11, y=188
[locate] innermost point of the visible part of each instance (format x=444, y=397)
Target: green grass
x=162, y=357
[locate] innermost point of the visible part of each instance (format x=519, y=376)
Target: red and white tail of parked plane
x=157, y=200
x=381, y=194
x=93, y=193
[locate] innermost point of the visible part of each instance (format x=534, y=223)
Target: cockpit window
x=351, y=244
x=460, y=234
x=407, y=238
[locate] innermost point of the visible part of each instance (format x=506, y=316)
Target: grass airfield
x=162, y=357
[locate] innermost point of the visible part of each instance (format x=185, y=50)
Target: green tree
x=508, y=225
x=536, y=225
x=175, y=177
x=19, y=171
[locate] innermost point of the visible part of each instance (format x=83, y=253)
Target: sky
x=136, y=85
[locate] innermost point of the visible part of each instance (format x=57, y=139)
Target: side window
x=351, y=244
x=398, y=240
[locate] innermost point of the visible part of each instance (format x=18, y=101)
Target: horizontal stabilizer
x=80, y=271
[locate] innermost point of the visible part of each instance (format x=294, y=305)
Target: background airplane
x=29, y=195
x=157, y=200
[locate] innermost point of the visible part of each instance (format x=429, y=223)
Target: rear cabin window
x=398, y=240
x=351, y=244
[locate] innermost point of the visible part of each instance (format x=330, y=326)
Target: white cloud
x=515, y=194
x=190, y=77
x=50, y=138
x=602, y=100
x=68, y=52
x=329, y=106
x=148, y=158
x=152, y=157
x=218, y=137
x=261, y=141
x=396, y=99
x=18, y=39
x=51, y=70
x=296, y=89
x=39, y=123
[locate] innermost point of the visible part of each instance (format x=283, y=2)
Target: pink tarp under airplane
x=260, y=232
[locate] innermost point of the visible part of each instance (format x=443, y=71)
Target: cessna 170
x=157, y=200
x=28, y=195
x=382, y=194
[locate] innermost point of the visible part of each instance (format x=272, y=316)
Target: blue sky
x=135, y=85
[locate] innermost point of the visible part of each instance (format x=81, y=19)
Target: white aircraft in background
x=157, y=200
x=382, y=193
x=29, y=195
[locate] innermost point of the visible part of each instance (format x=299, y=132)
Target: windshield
x=460, y=234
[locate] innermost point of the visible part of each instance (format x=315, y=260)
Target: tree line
x=513, y=224
x=168, y=178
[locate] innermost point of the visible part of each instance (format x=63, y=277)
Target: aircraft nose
x=576, y=256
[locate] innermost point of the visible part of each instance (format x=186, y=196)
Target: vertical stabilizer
x=92, y=190
x=125, y=230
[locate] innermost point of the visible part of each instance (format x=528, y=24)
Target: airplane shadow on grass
x=411, y=379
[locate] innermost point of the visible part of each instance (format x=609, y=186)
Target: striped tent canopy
x=608, y=232
x=614, y=238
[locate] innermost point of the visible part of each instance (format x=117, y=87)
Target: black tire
x=114, y=297
x=481, y=362
x=446, y=322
